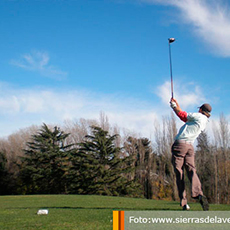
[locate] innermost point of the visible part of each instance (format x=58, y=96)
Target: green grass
x=75, y=211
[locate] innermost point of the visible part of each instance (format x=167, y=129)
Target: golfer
x=183, y=152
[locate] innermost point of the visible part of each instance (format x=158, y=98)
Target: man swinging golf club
x=183, y=152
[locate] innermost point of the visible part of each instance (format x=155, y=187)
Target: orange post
x=118, y=220
x=115, y=220
x=122, y=220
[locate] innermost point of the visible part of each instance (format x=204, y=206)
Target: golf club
x=171, y=40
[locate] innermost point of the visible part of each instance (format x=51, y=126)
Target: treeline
x=92, y=157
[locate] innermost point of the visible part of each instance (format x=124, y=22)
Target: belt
x=184, y=142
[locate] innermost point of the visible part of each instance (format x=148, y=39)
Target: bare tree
x=222, y=159
x=78, y=129
x=164, y=136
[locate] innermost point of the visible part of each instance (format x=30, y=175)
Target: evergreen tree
x=46, y=162
x=4, y=175
x=98, y=167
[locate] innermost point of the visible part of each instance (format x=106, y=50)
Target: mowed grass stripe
x=83, y=212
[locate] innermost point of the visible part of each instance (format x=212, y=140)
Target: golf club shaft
x=170, y=61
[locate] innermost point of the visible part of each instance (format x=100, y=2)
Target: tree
x=98, y=167
x=141, y=151
x=46, y=162
x=222, y=156
x=164, y=137
x=4, y=175
x=204, y=164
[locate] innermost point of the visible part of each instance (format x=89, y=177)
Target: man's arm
x=177, y=109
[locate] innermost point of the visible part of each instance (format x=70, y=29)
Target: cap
x=206, y=108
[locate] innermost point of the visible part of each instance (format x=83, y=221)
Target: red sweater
x=183, y=116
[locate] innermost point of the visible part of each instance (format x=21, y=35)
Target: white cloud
x=21, y=108
x=39, y=61
x=210, y=21
x=187, y=94
x=9, y=104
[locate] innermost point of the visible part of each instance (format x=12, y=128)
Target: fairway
x=76, y=211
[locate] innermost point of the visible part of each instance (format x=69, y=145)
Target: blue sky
x=72, y=59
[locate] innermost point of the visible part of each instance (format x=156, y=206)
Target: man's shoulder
x=194, y=114
x=197, y=116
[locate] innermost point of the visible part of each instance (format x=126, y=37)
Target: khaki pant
x=183, y=157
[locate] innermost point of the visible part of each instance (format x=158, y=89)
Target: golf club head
x=171, y=40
